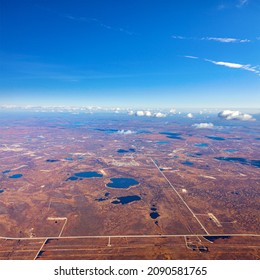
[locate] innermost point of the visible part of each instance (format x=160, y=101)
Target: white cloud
x=203, y=125
x=221, y=7
x=227, y=64
x=173, y=111
x=242, y=3
x=235, y=115
x=130, y=113
x=148, y=113
x=126, y=132
x=140, y=113
x=226, y=40
x=160, y=115
x=246, y=67
x=190, y=115
x=191, y=56
x=99, y=23
x=217, y=39
x=179, y=37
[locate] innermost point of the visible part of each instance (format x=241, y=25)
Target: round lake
x=122, y=183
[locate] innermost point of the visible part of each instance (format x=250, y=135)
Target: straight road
x=193, y=214
x=129, y=236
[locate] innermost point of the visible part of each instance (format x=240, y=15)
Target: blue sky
x=138, y=53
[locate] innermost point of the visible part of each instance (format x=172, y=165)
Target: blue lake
x=255, y=163
x=172, y=135
x=126, y=199
x=189, y=163
x=107, y=130
x=52, y=160
x=217, y=138
x=154, y=215
x=213, y=238
x=101, y=199
x=81, y=175
x=6, y=171
x=162, y=142
x=69, y=158
x=16, y=176
x=1, y=191
x=144, y=131
x=230, y=151
x=122, y=183
x=193, y=155
x=122, y=151
x=72, y=178
x=201, y=144
x=88, y=174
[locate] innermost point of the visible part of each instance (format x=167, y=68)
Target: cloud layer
x=235, y=115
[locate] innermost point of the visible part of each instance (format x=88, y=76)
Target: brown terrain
x=186, y=203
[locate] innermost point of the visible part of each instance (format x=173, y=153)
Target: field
x=195, y=193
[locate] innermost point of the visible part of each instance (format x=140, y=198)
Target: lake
x=16, y=176
x=126, y=199
x=201, y=144
x=88, y=174
x=217, y=138
x=122, y=183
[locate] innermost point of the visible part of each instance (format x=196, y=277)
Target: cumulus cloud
x=126, y=132
x=173, y=111
x=143, y=113
x=235, y=115
x=247, y=67
x=140, y=113
x=150, y=114
x=190, y=115
x=203, y=125
x=160, y=115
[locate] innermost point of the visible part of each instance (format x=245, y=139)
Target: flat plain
x=113, y=186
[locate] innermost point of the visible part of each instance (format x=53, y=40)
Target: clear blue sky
x=141, y=53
